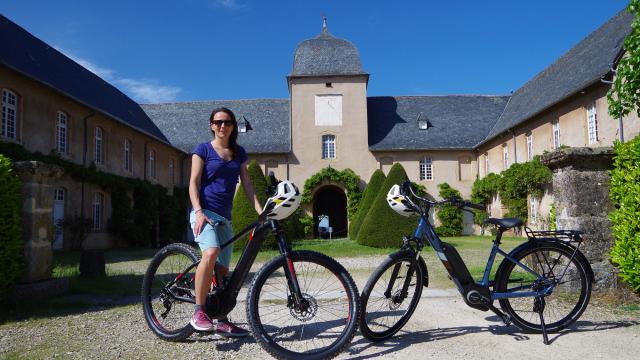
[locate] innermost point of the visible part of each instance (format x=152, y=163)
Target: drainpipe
x=620, y=127
x=84, y=159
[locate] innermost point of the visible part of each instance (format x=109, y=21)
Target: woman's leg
x=204, y=273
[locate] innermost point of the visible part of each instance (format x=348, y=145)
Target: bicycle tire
x=169, y=318
x=568, y=299
x=375, y=302
x=279, y=328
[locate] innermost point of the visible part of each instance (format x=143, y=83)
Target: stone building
x=51, y=104
x=327, y=120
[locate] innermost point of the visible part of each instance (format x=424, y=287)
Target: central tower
x=328, y=97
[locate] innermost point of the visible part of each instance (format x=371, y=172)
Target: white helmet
x=286, y=200
x=398, y=202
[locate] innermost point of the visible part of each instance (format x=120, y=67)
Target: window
x=328, y=110
x=99, y=158
x=486, y=164
x=592, y=123
x=328, y=146
x=98, y=201
x=152, y=164
x=171, y=172
x=58, y=194
x=556, y=134
x=505, y=156
x=534, y=210
x=9, y=111
x=426, y=169
x=529, y=146
x=127, y=156
x=61, y=132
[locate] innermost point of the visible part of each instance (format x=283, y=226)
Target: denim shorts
x=214, y=236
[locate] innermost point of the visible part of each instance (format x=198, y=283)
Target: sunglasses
x=219, y=123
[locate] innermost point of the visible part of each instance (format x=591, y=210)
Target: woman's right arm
x=197, y=166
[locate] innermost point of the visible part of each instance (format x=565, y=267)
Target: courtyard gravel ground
x=442, y=327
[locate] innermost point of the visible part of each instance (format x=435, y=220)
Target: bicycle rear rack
x=572, y=236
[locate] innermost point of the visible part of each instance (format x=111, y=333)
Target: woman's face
x=222, y=125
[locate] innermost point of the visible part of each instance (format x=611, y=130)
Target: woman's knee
x=210, y=256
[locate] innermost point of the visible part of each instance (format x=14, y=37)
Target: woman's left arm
x=248, y=187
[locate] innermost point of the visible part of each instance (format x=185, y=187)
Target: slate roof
x=455, y=121
x=186, y=124
x=30, y=56
x=326, y=55
x=577, y=69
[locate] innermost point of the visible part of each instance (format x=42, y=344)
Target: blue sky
x=164, y=51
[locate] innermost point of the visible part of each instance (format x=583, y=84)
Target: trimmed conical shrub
x=370, y=193
x=451, y=218
x=243, y=212
x=383, y=227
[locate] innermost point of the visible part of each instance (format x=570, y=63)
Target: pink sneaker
x=201, y=322
x=227, y=329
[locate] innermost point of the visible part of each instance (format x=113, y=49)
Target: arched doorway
x=331, y=201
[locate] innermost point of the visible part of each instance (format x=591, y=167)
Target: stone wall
x=37, y=217
x=581, y=194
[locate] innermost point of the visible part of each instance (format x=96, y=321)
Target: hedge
x=625, y=219
x=370, y=193
x=383, y=227
x=451, y=218
x=11, y=257
x=244, y=212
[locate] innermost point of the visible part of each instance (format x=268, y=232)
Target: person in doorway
x=215, y=168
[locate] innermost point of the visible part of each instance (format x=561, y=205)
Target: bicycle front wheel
x=167, y=316
x=322, y=327
x=390, y=296
x=558, y=265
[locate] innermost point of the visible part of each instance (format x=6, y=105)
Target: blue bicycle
x=543, y=285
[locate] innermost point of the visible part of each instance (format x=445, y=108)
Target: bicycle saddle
x=505, y=223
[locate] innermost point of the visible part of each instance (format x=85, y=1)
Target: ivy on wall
x=346, y=177
x=11, y=246
x=141, y=211
x=514, y=185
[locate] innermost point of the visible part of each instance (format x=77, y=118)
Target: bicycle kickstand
x=539, y=308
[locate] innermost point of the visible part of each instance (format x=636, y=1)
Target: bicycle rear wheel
x=166, y=316
x=390, y=296
x=320, y=329
x=569, y=297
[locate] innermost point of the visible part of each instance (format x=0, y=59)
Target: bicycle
x=300, y=304
x=543, y=285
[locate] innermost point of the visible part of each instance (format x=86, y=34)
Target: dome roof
x=326, y=55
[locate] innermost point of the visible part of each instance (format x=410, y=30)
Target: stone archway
x=331, y=200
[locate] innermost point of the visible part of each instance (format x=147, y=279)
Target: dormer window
x=423, y=122
x=243, y=125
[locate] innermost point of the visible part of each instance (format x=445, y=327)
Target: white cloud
x=229, y=4
x=141, y=90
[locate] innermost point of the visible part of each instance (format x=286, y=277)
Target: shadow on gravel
x=86, y=295
x=405, y=339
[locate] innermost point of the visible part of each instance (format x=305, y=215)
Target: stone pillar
x=581, y=196
x=37, y=217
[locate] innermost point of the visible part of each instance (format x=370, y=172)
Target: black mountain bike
x=300, y=304
x=543, y=285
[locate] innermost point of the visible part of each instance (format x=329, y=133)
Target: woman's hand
x=201, y=219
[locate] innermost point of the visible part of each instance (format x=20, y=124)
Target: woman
x=215, y=168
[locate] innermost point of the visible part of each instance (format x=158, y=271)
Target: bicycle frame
x=239, y=274
x=426, y=230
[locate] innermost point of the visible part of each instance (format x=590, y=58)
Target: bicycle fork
x=297, y=299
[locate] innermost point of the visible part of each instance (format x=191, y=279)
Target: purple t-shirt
x=219, y=179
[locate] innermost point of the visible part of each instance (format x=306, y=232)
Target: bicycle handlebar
x=407, y=189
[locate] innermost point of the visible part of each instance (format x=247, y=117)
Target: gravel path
x=442, y=327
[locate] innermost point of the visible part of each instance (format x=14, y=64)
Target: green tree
x=383, y=227
x=244, y=212
x=625, y=219
x=11, y=261
x=370, y=193
x=451, y=218
x=624, y=95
